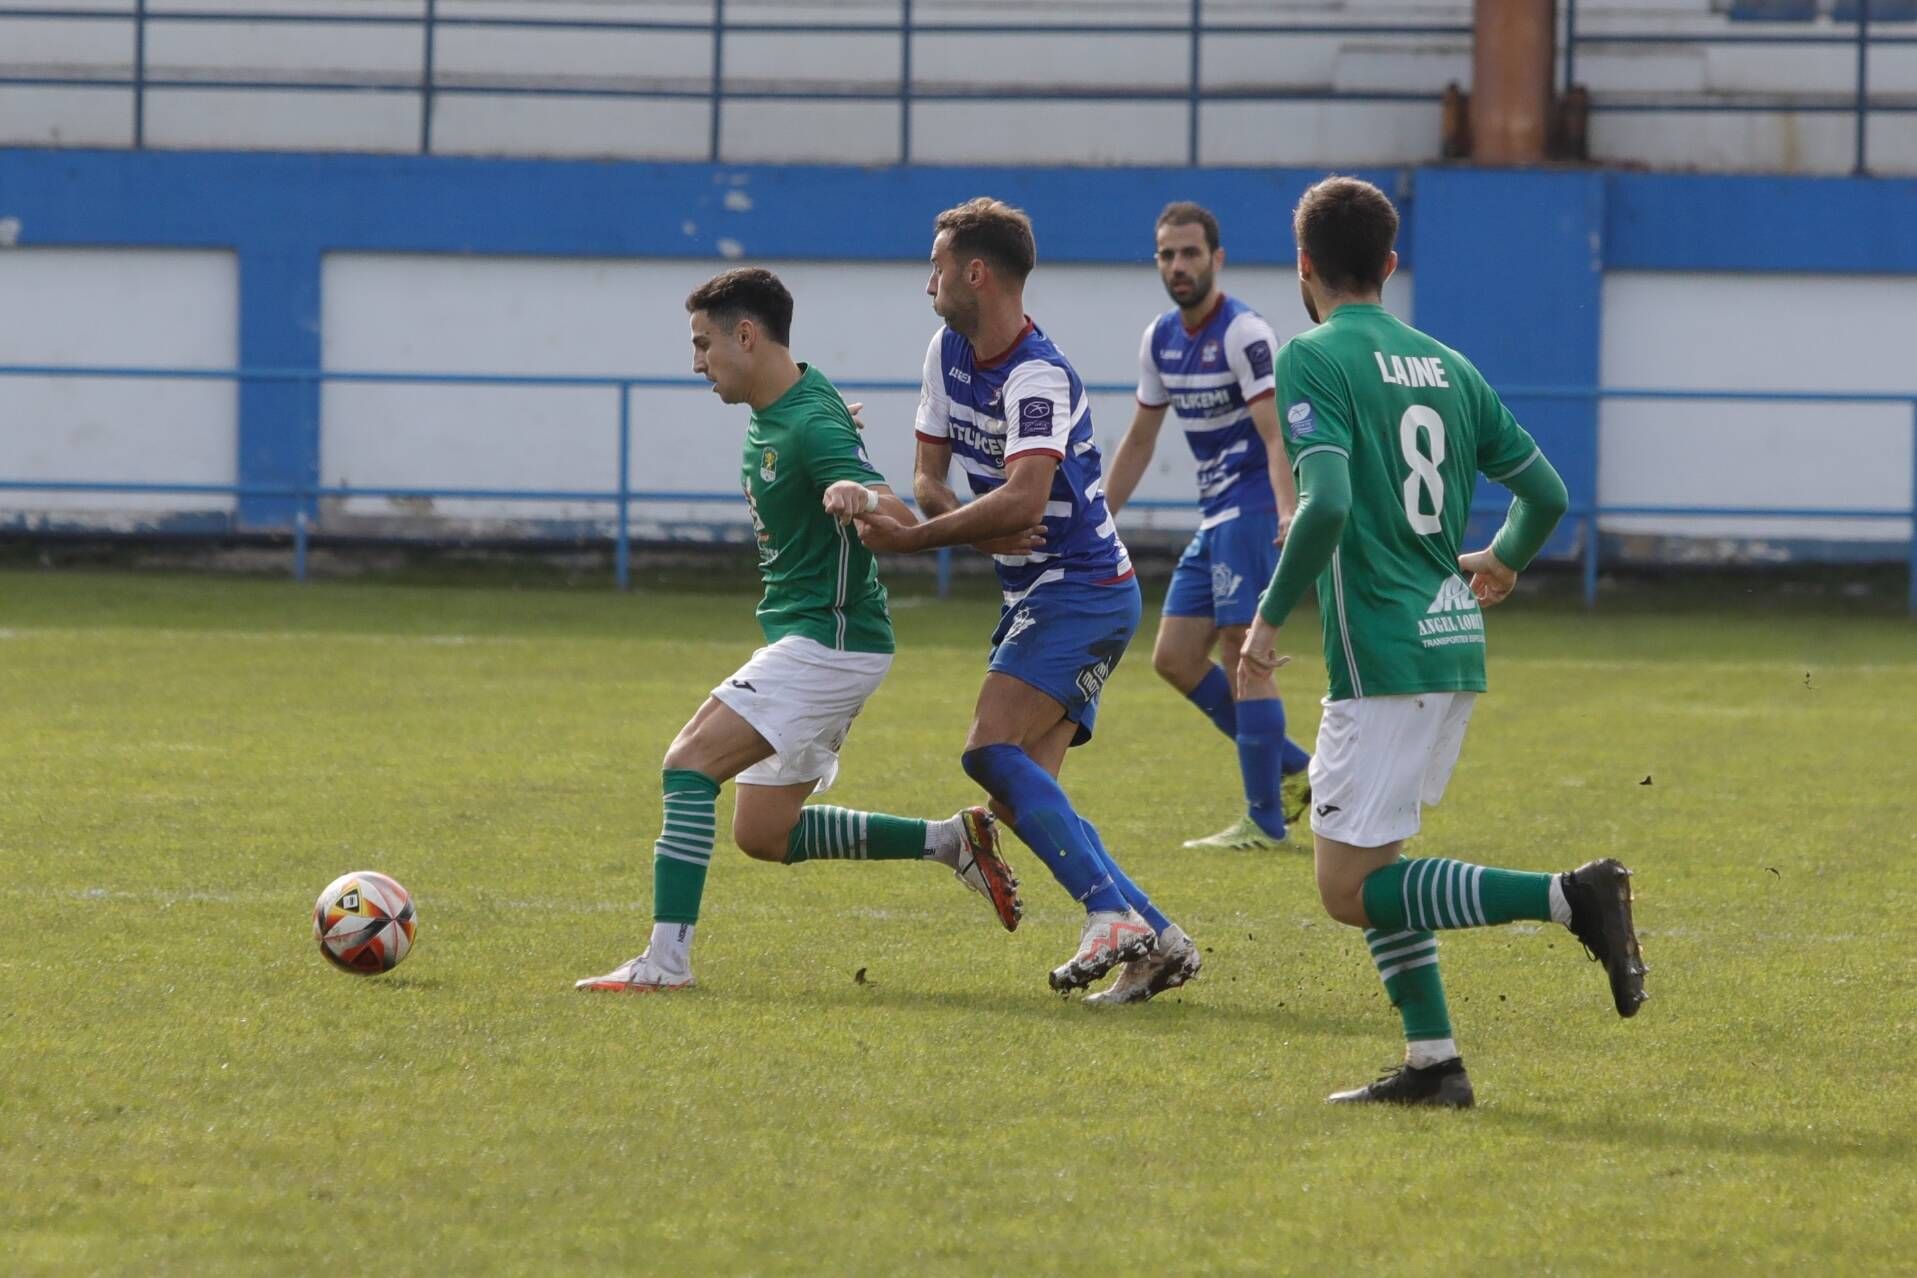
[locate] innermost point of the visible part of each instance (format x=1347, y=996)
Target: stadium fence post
x=1863, y=81
x=718, y=73
x=299, y=539
x=945, y=572
x=431, y=22
x=1913, y=508
x=1570, y=43
x=1191, y=88
x=1591, y=516
x=139, y=74
x=622, y=544
x=905, y=81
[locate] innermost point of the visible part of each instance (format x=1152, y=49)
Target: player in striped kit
x=1000, y=399
x=1209, y=361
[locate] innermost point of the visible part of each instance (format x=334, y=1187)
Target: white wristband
x=871, y=500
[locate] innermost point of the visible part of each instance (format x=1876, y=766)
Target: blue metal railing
x=1859, y=105
x=1586, y=511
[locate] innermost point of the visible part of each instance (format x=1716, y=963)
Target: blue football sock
x=1261, y=739
x=1128, y=889
x=1043, y=817
x=1213, y=696
x=1294, y=758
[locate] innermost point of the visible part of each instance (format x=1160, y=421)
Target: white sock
x=671, y=946
x=944, y=839
x=1560, y=908
x=1423, y=1052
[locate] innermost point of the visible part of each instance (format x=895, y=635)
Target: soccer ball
x=364, y=923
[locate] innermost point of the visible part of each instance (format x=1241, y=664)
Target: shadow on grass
x=1680, y=1135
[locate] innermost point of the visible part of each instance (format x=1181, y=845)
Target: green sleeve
x=1538, y=501
x=1324, y=500
x=1317, y=407
x=836, y=451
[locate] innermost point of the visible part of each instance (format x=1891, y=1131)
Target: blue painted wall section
x=1509, y=264
x=1511, y=273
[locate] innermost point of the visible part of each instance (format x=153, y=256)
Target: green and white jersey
x=1418, y=423
x=820, y=580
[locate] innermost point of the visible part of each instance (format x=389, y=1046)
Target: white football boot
x=1175, y=961
x=638, y=976
x=1110, y=937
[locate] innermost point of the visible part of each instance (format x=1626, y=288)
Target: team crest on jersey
x=1209, y=355
x=1224, y=583
x=769, y=465
x=1022, y=620
x=1300, y=418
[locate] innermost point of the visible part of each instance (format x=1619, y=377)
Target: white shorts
x=802, y=696
x=1380, y=760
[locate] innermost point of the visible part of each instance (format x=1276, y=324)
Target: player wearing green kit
x=777, y=725
x=1388, y=431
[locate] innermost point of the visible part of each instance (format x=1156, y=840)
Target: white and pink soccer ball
x=364, y=923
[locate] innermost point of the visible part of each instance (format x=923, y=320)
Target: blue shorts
x=1065, y=640
x=1225, y=569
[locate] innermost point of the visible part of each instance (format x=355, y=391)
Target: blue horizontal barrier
x=622, y=495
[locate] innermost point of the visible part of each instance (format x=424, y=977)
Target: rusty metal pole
x=1512, y=58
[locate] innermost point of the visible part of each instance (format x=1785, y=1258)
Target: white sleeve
x=935, y=410
x=1038, y=410
x=1151, y=387
x=1250, y=347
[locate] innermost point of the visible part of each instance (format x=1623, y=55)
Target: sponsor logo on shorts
x=1224, y=583
x=1092, y=678
x=1035, y=419
x=1300, y=417
x=1326, y=809
x=1258, y=355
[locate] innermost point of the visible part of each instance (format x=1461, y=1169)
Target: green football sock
x=684, y=849
x=1436, y=892
x=826, y=833
x=1407, y=961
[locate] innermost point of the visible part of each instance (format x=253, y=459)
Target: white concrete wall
x=855, y=321
x=1770, y=332
x=470, y=60
x=117, y=307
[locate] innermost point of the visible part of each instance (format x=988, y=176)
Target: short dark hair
x=994, y=231
x=746, y=292
x=1348, y=227
x=1185, y=213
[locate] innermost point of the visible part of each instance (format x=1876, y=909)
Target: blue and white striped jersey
x=967, y=402
x=1210, y=376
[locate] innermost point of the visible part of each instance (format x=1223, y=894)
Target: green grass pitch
x=184, y=763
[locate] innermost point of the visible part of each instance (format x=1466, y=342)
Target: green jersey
x=1418, y=424
x=820, y=580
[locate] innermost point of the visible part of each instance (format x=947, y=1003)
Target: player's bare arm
x=1016, y=508
x=1264, y=416
x=931, y=473
x=1134, y=453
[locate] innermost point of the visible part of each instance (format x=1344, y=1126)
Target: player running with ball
x=777, y=725
x=1388, y=431
x=1000, y=398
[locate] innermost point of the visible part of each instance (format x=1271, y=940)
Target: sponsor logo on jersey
x=1022, y=620
x=1174, y=353
x=1453, y=616
x=959, y=375
x=1224, y=583
x=1301, y=420
x=1258, y=355
x=1035, y=419
x=1198, y=401
x=769, y=465
x=1208, y=355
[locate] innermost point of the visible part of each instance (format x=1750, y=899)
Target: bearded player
x=1000, y=399
x=1209, y=360
x=778, y=724
x=1389, y=431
